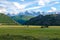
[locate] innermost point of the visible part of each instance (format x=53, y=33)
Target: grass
x=4, y=19
x=53, y=32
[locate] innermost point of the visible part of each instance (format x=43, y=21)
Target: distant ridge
x=6, y=20
x=21, y=19
x=50, y=20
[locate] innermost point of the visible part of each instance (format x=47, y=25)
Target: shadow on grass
x=22, y=37
x=17, y=37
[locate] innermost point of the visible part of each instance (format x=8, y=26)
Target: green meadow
x=19, y=32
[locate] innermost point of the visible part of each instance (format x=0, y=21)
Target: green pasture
x=35, y=31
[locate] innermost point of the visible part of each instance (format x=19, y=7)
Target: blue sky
x=16, y=6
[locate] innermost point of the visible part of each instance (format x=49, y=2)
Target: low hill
x=6, y=20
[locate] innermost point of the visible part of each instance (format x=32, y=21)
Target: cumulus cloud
x=16, y=7
x=43, y=2
x=52, y=9
x=11, y=7
x=21, y=7
x=46, y=2
x=2, y=9
x=53, y=3
x=8, y=6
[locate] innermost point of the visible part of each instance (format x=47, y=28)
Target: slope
x=6, y=20
x=21, y=18
x=52, y=20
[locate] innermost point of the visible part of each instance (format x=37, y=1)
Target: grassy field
x=51, y=33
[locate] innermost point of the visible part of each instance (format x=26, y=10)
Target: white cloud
x=36, y=7
x=22, y=0
x=9, y=6
x=21, y=7
x=46, y=2
x=52, y=9
x=14, y=7
x=57, y=2
x=53, y=3
x=2, y=10
x=43, y=2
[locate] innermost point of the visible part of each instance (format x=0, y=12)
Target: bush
x=44, y=26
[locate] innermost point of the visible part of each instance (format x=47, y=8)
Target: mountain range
x=23, y=17
x=49, y=20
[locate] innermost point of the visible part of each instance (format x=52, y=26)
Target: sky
x=17, y=6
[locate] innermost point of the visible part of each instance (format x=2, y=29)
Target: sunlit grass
x=36, y=31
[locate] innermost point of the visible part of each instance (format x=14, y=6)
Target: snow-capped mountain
x=26, y=13
x=33, y=13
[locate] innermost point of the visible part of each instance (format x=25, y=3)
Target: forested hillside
x=21, y=19
x=52, y=19
x=4, y=19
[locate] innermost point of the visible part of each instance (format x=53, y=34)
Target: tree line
x=47, y=20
